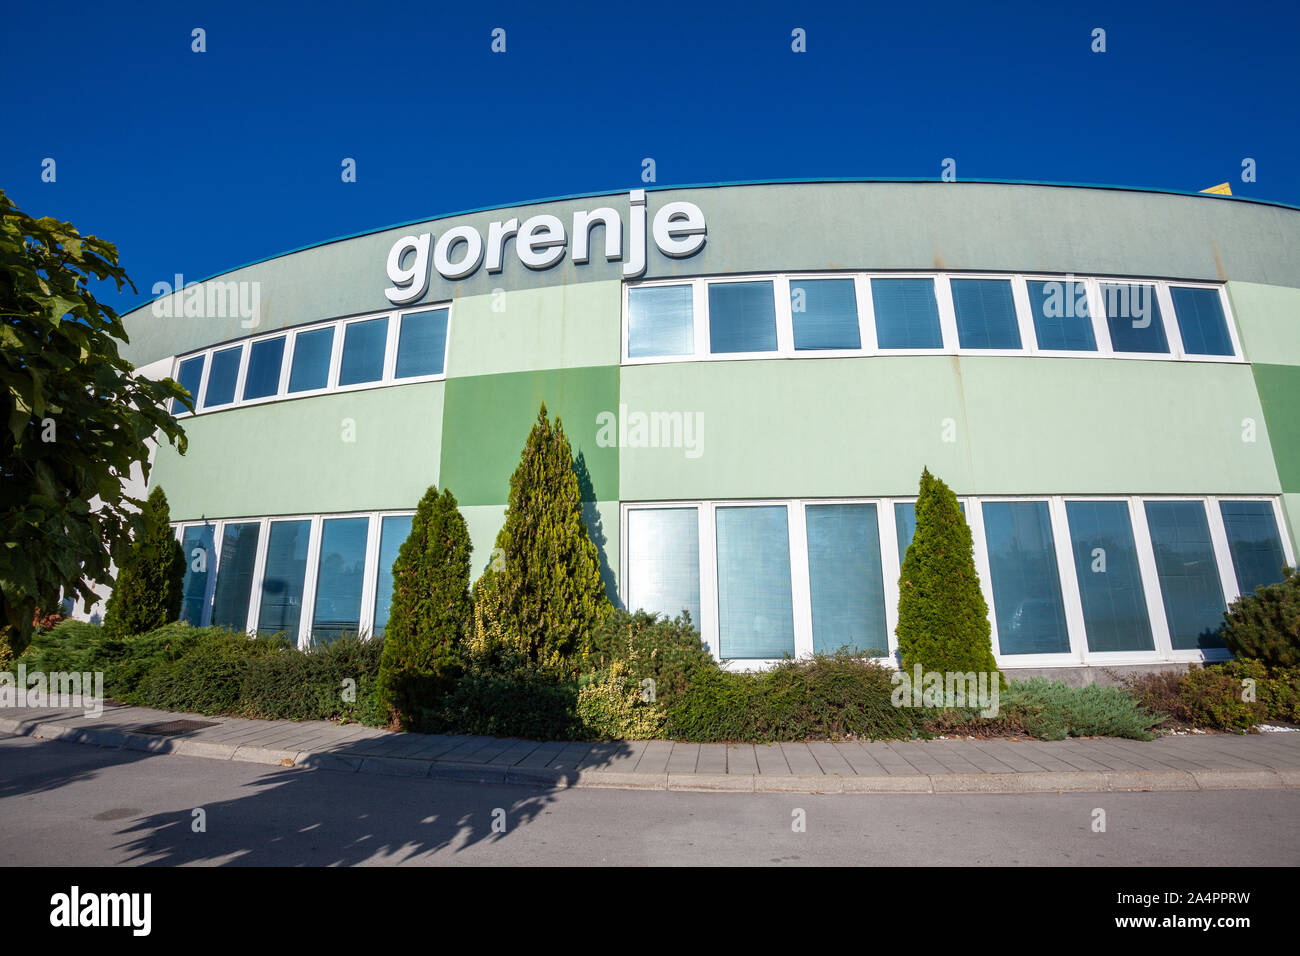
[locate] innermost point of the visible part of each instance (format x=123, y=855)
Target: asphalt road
x=77, y=805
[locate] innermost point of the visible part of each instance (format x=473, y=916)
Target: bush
x=1214, y=697
x=504, y=695
x=1053, y=711
x=431, y=609
x=546, y=597
x=613, y=706
x=1266, y=625
x=943, y=622
x=823, y=697
x=207, y=679
x=328, y=681
x=667, y=651
x=148, y=590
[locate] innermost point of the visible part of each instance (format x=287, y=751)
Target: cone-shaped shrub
x=148, y=591
x=430, y=611
x=1266, y=624
x=542, y=595
x=943, y=622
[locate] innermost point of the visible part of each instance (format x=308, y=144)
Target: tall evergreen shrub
x=943, y=622
x=542, y=596
x=148, y=591
x=430, y=611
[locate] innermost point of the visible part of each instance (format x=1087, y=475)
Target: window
x=847, y=583
x=663, y=561
x=660, y=321
x=235, y=575
x=905, y=525
x=311, y=360
x=755, y=606
x=1188, y=572
x=742, y=317
x=364, y=344
x=422, y=343
x=1201, y=322
x=284, y=578
x=190, y=378
x=1062, y=322
x=1026, y=587
x=196, y=542
x=986, y=314
x=907, y=315
x=222, y=377
x=1110, y=581
x=1133, y=317
x=825, y=314
x=1254, y=542
x=265, y=359
x=393, y=531
x=339, y=578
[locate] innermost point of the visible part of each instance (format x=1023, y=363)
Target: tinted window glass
x=1188, y=572
x=905, y=525
x=659, y=321
x=1254, y=542
x=311, y=359
x=1062, y=322
x=284, y=577
x=222, y=377
x=847, y=584
x=196, y=542
x=339, y=577
x=1133, y=317
x=986, y=314
x=907, y=315
x=663, y=555
x=265, y=360
x=363, y=351
x=1201, y=321
x=235, y=575
x=190, y=377
x=755, y=608
x=1026, y=587
x=825, y=314
x=422, y=343
x=1110, y=583
x=393, y=531
x=742, y=317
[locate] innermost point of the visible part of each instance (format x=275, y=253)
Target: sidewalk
x=1200, y=762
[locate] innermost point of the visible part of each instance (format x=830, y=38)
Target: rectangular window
x=1062, y=322
x=339, y=578
x=1110, y=582
x=235, y=575
x=1255, y=543
x=825, y=314
x=265, y=359
x=393, y=532
x=284, y=577
x=222, y=377
x=1133, y=317
x=847, y=583
x=986, y=314
x=742, y=317
x=663, y=561
x=1201, y=322
x=364, y=344
x=907, y=315
x=422, y=343
x=1189, y=574
x=1026, y=586
x=311, y=359
x=755, y=606
x=196, y=542
x=660, y=321
x=190, y=378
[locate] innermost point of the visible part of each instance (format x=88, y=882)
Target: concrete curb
x=1028, y=782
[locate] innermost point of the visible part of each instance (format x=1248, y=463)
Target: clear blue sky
x=197, y=163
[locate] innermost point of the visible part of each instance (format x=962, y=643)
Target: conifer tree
x=943, y=620
x=148, y=591
x=542, y=596
x=430, y=611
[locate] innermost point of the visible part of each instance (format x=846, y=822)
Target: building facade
x=752, y=378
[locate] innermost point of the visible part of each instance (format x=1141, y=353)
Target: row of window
x=1065, y=579
x=335, y=356
x=789, y=315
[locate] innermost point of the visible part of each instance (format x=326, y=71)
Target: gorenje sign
x=540, y=242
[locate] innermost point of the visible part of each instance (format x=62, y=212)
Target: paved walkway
x=1209, y=762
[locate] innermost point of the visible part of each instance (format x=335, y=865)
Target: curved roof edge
x=742, y=182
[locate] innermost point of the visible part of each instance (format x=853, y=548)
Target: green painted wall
x=292, y=457
x=1268, y=318
x=529, y=329
x=825, y=427
x=488, y=418
x=1279, y=393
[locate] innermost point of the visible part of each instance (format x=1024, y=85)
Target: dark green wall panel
x=1279, y=394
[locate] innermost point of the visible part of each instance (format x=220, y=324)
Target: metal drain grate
x=170, y=728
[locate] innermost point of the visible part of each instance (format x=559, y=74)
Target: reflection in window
x=1254, y=542
x=393, y=532
x=222, y=377
x=422, y=343
x=196, y=542
x=1026, y=586
x=1189, y=574
x=190, y=378
x=663, y=557
x=235, y=575
x=284, y=578
x=755, y=607
x=311, y=360
x=339, y=578
x=659, y=321
x=1201, y=322
x=847, y=584
x=265, y=358
x=1110, y=582
x=364, y=344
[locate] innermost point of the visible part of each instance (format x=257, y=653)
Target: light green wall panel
x=826, y=427
x=555, y=327
x=292, y=457
x=1268, y=317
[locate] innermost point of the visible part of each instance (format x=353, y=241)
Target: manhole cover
x=170, y=728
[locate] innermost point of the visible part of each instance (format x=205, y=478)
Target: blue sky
x=197, y=163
